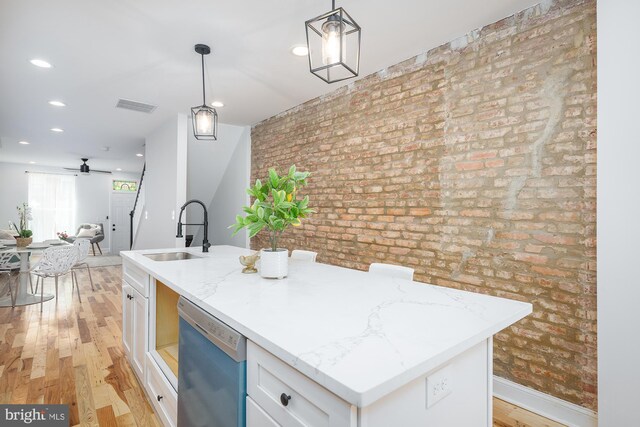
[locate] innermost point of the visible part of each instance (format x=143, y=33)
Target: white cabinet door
x=140, y=308
x=289, y=397
x=127, y=319
x=257, y=417
x=163, y=397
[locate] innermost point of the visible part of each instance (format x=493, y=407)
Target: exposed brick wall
x=474, y=164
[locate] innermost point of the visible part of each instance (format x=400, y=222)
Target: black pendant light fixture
x=205, y=118
x=333, y=40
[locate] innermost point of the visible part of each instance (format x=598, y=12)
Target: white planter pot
x=274, y=265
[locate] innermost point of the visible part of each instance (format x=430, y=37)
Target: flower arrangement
x=24, y=216
x=62, y=235
x=277, y=205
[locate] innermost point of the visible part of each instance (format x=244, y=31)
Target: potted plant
x=24, y=234
x=277, y=205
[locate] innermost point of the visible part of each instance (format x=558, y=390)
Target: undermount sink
x=171, y=256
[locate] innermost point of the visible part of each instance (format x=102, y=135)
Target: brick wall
x=474, y=164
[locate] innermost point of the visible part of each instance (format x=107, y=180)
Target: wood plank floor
x=72, y=353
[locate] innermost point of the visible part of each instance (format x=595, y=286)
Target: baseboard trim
x=543, y=404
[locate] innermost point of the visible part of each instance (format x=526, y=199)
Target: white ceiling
x=143, y=50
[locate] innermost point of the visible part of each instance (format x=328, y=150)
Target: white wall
x=165, y=185
x=218, y=175
x=92, y=194
x=231, y=195
x=618, y=214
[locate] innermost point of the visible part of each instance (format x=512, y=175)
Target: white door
x=121, y=205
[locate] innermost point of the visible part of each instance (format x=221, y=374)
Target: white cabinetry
x=135, y=316
x=142, y=297
x=140, y=328
x=163, y=329
x=279, y=395
x=441, y=377
x=257, y=417
x=162, y=394
x=134, y=327
x=127, y=319
x=290, y=398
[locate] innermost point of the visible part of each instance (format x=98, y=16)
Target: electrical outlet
x=439, y=385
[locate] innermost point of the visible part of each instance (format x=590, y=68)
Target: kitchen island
x=381, y=351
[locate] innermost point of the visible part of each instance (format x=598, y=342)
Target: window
x=52, y=199
x=127, y=186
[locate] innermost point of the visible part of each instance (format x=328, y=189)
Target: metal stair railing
x=135, y=205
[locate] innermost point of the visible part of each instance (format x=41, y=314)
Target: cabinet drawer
x=256, y=417
x=269, y=380
x=161, y=393
x=136, y=277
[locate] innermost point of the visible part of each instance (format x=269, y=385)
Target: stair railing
x=135, y=205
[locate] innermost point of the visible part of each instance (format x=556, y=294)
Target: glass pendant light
x=333, y=40
x=332, y=43
x=204, y=118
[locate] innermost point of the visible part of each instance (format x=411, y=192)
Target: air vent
x=127, y=104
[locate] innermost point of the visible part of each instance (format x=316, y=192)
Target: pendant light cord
x=333, y=4
x=203, y=95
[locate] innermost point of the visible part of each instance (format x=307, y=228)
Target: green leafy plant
x=24, y=215
x=276, y=205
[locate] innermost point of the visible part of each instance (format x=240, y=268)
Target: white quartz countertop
x=360, y=335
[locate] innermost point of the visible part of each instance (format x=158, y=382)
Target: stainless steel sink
x=171, y=256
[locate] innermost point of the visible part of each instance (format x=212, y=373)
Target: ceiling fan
x=84, y=168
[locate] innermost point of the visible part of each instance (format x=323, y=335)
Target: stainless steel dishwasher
x=212, y=370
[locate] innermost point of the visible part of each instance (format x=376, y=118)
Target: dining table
x=24, y=295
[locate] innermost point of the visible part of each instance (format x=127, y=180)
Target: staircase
x=136, y=214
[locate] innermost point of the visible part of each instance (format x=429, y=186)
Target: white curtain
x=52, y=199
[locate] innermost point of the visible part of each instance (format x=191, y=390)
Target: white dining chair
x=7, y=266
x=390, y=270
x=83, y=245
x=55, y=262
x=304, y=255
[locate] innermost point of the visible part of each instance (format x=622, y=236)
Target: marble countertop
x=359, y=335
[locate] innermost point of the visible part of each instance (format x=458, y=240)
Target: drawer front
x=256, y=417
x=269, y=380
x=161, y=393
x=136, y=277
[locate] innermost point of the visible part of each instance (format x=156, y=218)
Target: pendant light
x=204, y=118
x=333, y=40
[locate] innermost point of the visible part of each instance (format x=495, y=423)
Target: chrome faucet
x=205, y=241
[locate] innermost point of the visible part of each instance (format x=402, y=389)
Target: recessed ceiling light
x=118, y=169
x=57, y=103
x=57, y=130
x=217, y=104
x=40, y=63
x=300, y=50
x=23, y=142
x=139, y=154
x=32, y=162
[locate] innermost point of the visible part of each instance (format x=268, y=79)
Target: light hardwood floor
x=72, y=353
